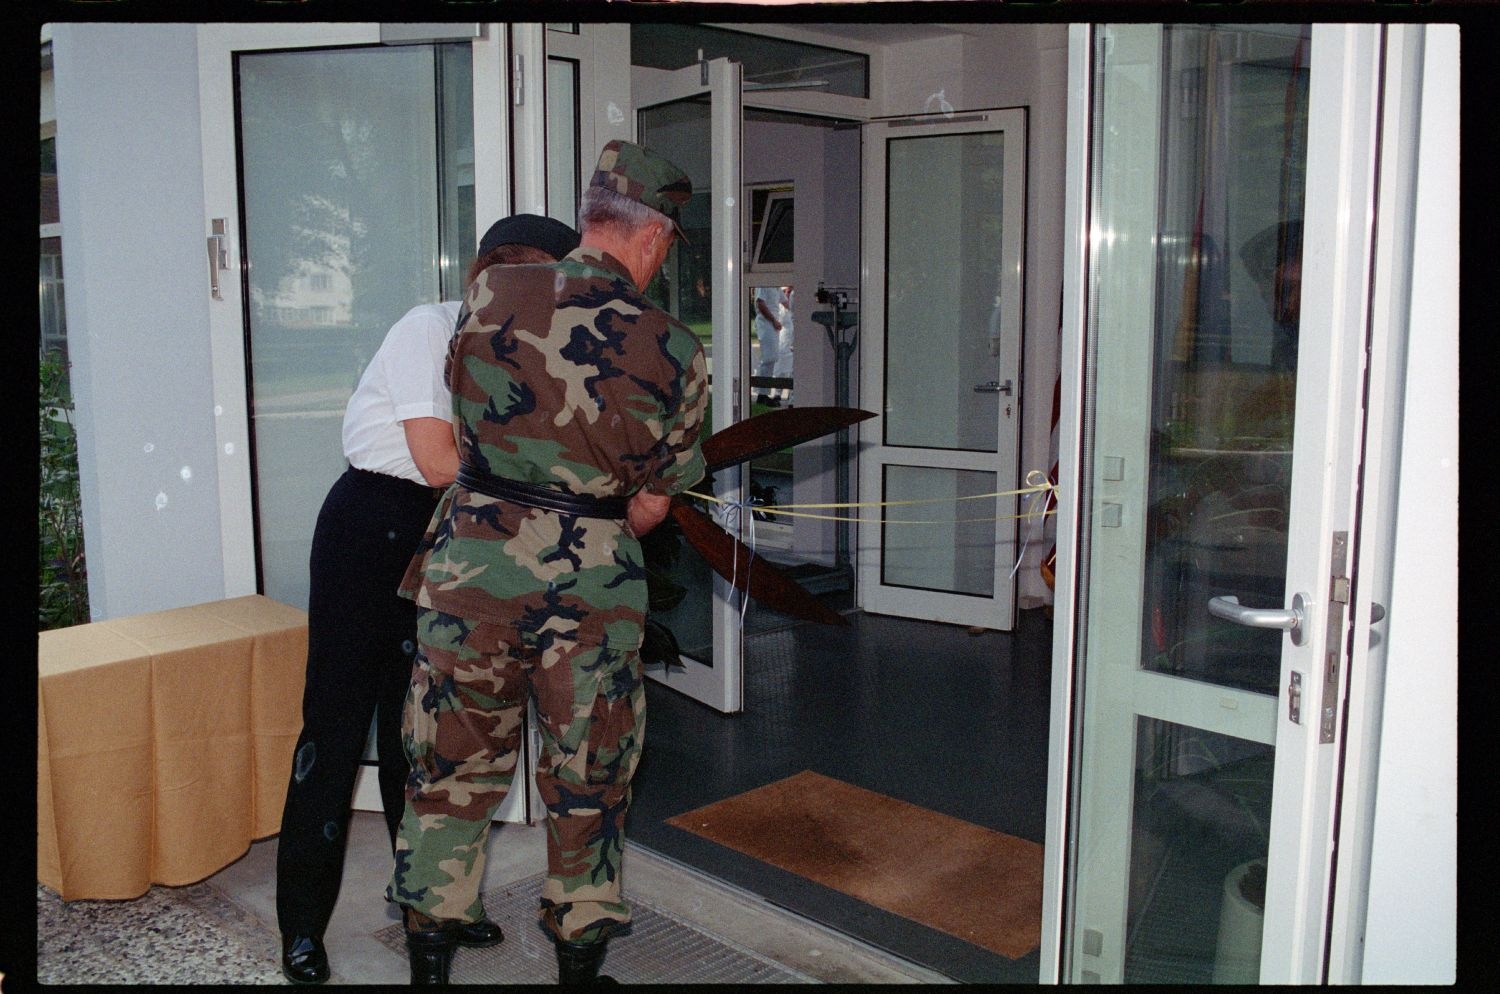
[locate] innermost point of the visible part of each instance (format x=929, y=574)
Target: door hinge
x=517, y=86
x=1333, y=646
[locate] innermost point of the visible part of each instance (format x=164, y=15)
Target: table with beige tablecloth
x=163, y=743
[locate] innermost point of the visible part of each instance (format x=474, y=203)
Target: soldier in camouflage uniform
x=578, y=405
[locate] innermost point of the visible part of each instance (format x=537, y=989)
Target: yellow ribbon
x=1036, y=480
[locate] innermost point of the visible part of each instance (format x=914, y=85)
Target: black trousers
x=361, y=638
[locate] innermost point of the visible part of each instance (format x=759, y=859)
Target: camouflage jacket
x=565, y=375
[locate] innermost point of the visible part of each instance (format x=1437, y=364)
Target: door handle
x=218, y=257
x=1291, y=619
x=994, y=386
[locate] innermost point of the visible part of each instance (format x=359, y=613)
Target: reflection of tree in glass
x=339, y=220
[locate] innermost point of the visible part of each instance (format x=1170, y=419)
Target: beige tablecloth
x=163, y=743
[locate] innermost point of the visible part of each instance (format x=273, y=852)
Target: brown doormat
x=980, y=885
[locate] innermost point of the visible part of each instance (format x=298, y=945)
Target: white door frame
x=720, y=685
x=1397, y=850
x=998, y=610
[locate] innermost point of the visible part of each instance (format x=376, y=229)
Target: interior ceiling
x=882, y=33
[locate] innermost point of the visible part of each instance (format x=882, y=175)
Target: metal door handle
x=1228, y=607
x=218, y=257
x=994, y=386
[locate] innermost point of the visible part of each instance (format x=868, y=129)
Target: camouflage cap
x=636, y=172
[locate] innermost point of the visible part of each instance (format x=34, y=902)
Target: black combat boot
x=479, y=935
x=429, y=946
x=578, y=963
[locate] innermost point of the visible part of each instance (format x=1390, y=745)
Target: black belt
x=538, y=496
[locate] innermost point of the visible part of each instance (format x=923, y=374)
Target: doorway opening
x=856, y=704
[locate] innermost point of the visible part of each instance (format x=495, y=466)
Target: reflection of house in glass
x=319, y=297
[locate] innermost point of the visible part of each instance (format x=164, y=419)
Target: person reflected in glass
x=1286, y=308
x=773, y=330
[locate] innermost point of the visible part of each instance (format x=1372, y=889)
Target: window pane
x=941, y=545
x=1225, y=358
x=49, y=287
x=562, y=140
x=680, y=131
x=341, y=189
x=767, y=61
x=776, y=244
x=943, y=248
x=1199, y=836
x=456, y=167
x=49, y=212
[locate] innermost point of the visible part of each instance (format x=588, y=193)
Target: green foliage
x=64, y=598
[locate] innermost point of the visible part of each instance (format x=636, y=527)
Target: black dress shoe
x=479, y=935
x=303, y=959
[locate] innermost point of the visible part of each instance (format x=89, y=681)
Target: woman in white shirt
x=361, y=636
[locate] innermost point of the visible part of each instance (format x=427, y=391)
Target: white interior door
x=1231, y=176
x=944, y=222
x=692, y=116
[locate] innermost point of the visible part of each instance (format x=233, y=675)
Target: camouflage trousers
x=462, y=729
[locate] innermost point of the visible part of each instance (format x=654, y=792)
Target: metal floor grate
x=658, y=948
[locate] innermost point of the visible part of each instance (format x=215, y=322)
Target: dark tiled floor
x=920, y=711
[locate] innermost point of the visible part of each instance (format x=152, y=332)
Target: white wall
x=924, y=76
x=131, y=196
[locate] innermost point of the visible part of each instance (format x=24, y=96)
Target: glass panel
x=775, y=244
x=49, y=288
x=942, y=331
x=1198, y=847
x=680, y=131
x=49, y=282
x=49, y=213
x=943, y=546
x=684, y=286
x=768, y=62
x=562, y=140
x=457, y=231
x=341, y=201
x=770, y=344
x=1225, y=349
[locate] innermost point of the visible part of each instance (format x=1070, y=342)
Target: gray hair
x=601, y=207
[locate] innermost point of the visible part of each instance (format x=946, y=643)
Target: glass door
x=1229, y=205
x=945, y=218
x=692, y=116
x=358, y=197
x=358, y=189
